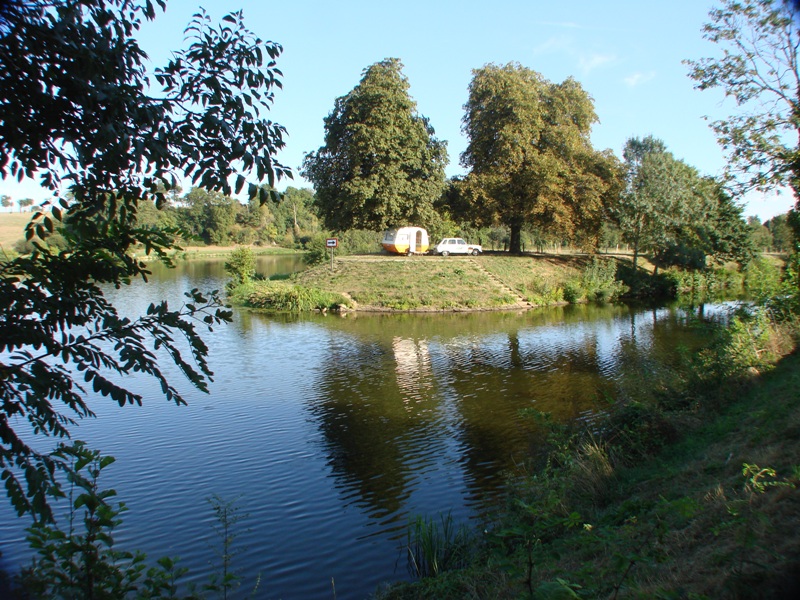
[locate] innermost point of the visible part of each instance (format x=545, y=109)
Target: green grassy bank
x=690, y=492
x=430, y=283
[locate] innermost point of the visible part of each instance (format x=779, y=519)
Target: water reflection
x=403, y=399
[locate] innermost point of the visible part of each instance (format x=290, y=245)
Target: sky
x=625, y=53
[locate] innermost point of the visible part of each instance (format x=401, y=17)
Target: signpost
x=332, y=243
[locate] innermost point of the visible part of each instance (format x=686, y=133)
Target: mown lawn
x=411, y=283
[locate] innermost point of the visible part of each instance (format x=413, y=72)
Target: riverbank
x=693, y=494
x=434, y=283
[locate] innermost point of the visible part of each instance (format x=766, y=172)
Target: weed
x=437, y=546
x=83, y=561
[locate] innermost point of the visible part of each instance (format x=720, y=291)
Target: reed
x=435, y=546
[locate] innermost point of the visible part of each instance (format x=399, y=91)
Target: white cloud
x=555, y=44
x=639, y=78
x=593, y=61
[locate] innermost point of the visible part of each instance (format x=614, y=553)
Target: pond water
x=331, y=433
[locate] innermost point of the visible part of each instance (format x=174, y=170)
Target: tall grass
x=437, y=546
x=282, y=296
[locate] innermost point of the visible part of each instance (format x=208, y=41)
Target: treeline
x=294, y=220
x=774, y=235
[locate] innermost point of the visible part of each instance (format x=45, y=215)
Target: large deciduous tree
x=658, y=194
x=759, y=69
x=667, y=208
x=530, y=157
x=78, y=114
x=381, y=165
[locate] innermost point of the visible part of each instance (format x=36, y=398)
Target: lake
x=331, y=433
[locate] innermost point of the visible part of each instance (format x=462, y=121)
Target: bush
x=241, y=266
x=280, y=296
x=316, y=250
x=573, y=291
x=599, y=280
x=747, y=345
x=762, y=280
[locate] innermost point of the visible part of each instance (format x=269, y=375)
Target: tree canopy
x=759, y=69
x=381, y=165
x=667, y=208
x=79, y=116
x=530, y=156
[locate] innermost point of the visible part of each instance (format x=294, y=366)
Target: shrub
x=572, y=291
x=241, y=266
x=280, y=296
x=599, y=280
x=762, y=280
x=748, y=343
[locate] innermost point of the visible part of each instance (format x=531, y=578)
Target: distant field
x=12, y=226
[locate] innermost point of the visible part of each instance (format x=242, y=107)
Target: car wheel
x=445, y=253
x=475, y=252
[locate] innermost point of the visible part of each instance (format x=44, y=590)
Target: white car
x=456, y=246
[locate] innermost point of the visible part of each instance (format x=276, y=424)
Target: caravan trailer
x=406, y=240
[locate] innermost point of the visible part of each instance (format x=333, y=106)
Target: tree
x=381, y=165
x=760, y=236
x=241, y=266
x=661, y=194
x=6, y=201
x=781, y=233
x=530, y=157
x=77, y=114
x=208, y=215
x=759, y=69
x=296, y=210
x=726, y=229
x=24, y=203
x=711, y=230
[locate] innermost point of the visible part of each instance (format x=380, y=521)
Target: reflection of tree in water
x=398, y=408
x=492, y=382
x=377, y=411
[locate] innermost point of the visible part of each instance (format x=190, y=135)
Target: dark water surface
x=332, y=432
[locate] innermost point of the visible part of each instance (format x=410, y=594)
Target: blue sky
x=626, y=53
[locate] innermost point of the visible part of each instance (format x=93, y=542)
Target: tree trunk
x=515, y=243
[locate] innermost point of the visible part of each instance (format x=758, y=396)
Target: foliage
x=317, y=251
x=759, y=69
x=762, y=280
x=437, y=546
x=530, y=156
x=660, y=196
x=77, y=114
x=281, y=296
x=225, y=579
x=781, y=232
x=381, y=165
x=83, y=560
x=241, y=265
x=599, y=280
x=746, y=346
x=784, y=305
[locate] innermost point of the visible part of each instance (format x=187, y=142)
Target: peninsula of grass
x=430, y=283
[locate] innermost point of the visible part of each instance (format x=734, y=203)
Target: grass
x=12, y=228
x=440, y=284
x=282, y=296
